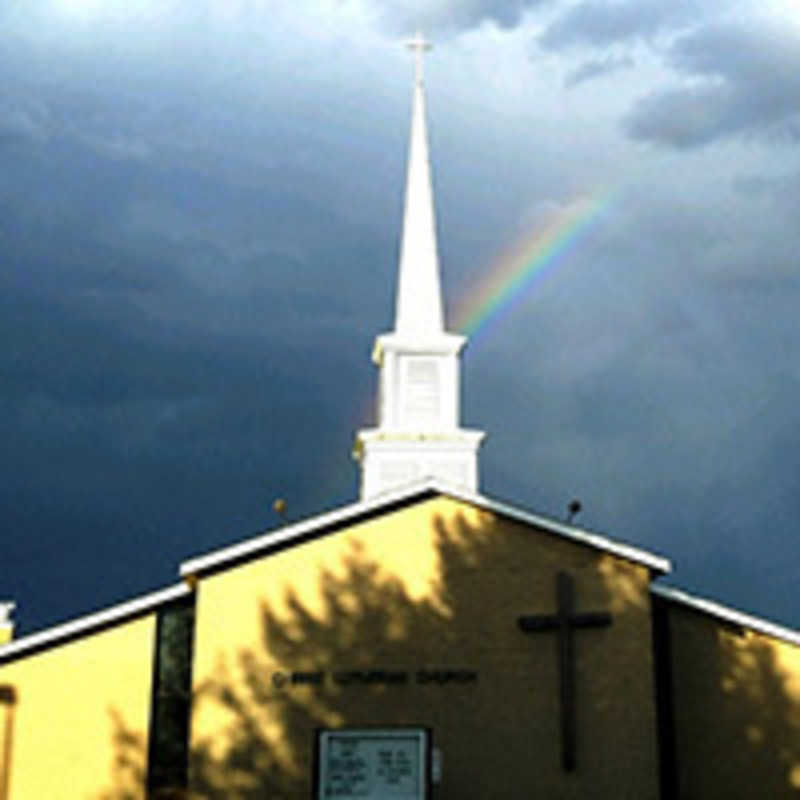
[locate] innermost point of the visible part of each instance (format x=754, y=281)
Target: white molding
x=84, y=625
x=456, y=440
x=726, y=613
x=440, y=344
x=375, y=505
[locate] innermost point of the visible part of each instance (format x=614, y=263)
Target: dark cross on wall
x=564, y=622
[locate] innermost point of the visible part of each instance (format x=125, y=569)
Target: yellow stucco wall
x=78, y=728
x=737, y=710
x=437, y=585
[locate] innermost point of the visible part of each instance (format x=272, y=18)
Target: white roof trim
x=83, y=625
x=595, y=540
x=285, y=534
x=727, y=613
x=271, y=539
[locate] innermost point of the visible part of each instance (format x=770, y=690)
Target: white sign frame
x=399, y=741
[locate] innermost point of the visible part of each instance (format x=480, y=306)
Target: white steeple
x=418, y=434
x=419, y=295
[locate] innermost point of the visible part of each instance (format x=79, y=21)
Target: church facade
x=425, y=641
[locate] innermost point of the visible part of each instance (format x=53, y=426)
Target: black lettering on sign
x=309, y=678
x=443, y=676
x=372, y=676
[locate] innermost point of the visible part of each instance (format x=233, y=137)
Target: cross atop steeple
x=419, y=294
x=419, y=44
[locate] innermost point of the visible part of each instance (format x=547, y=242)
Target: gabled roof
x=91, y=623
x=714, y=609
x=409, y=495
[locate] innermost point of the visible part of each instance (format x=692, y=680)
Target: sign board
x=373, y=764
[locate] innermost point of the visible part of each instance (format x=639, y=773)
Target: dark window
x=168, y=756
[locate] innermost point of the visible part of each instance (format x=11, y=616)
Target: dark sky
x=200, y=206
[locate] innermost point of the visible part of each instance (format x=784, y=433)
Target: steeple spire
x=418, y=434
x=419, y=44
x=419, y=294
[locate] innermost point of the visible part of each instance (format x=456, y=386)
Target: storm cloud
x=596, y=68
x=744, y=81
x=451, y=16
x=600, y=24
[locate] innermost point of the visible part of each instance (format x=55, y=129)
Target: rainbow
x=533, y=256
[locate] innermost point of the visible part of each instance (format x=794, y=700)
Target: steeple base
x=391, y=460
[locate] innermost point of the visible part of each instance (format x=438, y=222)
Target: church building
x=426, y=641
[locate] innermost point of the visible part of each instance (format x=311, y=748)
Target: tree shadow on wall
x=349, y=661
x=277, y=701
x=128, y=768
x=372, y=649
x=760, y=686
x=738, y=709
